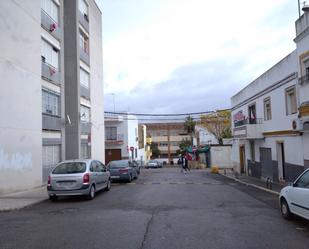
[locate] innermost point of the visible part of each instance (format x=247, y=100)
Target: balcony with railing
x=114, y=139
x=50, y=73
x=49, y=24
x=84, y=20
x=249, y=128
x=304, y=79
x=84, y=55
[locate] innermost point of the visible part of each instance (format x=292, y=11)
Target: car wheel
x=91, y=193
x=53, y=197
x=285, y=210
x=108, y=187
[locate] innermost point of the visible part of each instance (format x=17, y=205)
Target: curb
x=252, y=185
x=9, y=209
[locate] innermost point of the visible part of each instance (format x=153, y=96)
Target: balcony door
x=252, y=114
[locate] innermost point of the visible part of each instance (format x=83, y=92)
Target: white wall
x=20, y=95
x=96, y=84
x=221, y=156
x=132, y=133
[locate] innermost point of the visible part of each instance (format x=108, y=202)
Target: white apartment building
x=270, y=117
x=121, y=137
x=203, y=136
x=52, y=88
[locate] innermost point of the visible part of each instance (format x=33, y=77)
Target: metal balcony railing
x=304, y=79
x=114, y=137
x=248, y=121
x=84, y=56
x=84, y=20
x=50, y=24
x=50, y=73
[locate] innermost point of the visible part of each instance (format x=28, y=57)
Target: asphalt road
x=163, y=209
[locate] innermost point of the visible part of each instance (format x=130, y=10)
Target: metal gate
x=266, y=163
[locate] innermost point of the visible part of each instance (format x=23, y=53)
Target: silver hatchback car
x=78, y=177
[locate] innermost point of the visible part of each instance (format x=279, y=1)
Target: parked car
x=152, y=164
x=78, y=177
x=123, y=170
x=294, y=199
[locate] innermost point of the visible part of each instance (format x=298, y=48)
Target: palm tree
x=190, y=127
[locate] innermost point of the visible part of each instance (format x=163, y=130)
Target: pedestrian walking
x=186, y=167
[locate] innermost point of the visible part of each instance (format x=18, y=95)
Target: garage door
x=112, y=154
x=266, y=163
x=50, y=157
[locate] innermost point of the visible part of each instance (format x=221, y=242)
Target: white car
x=294, y=199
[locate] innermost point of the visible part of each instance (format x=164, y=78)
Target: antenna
x=69, y=120
x=305, y=8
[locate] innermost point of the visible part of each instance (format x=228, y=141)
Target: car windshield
x=118, y=164
x=153, y=161
x=70, y=168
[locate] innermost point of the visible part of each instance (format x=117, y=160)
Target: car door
x=93, y=172
x=101, y=181
x=105, y=173
x=299, y=196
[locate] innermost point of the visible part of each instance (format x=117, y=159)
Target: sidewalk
x=254, y=182
x=23, y=199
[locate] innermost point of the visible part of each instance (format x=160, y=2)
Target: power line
x=160, y=115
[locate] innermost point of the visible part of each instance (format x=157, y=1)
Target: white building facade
x=121, y=137
x=269, y=117
x=51, y=88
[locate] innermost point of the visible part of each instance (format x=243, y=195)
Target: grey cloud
x=192, y=88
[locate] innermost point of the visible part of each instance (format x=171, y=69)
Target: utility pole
x=168, y=144
x=298, y=8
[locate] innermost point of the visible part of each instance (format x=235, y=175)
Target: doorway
x=281, y=161
x=242, y=157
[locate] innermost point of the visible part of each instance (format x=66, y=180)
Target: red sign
x=131, y=148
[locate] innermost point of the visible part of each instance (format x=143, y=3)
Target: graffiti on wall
x=15, y=161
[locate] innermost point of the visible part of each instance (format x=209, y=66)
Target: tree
x=155, y=150
x=190, y=127
x=219, y=124
x=185, y=143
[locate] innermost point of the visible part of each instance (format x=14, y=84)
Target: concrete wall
x=20, y=70
x=132, y=133
x=71, y=67
x=221, y=156
x=96, y=81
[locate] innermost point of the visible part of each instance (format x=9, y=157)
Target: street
x=163, y=209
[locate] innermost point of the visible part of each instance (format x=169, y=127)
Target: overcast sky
x=175, y=56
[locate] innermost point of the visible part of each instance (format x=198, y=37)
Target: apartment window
x=84, y=114
x=84, y=78
x=50, y=55
x=267, y=109
x=307, y=68
x=83, y=7
x=51, y=9
x=50, y=103
x=290, y=99
x=111, y=133
x=252, y=151
x=84, y=42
